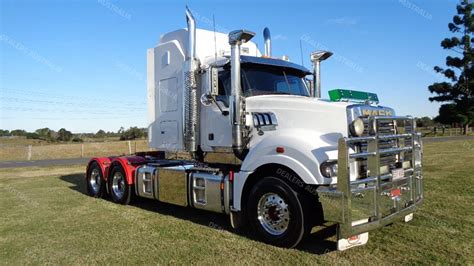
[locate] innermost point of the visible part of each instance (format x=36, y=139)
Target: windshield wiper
x=287, y=83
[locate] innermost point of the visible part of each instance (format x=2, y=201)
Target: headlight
x=329, y=169
x=357, y=127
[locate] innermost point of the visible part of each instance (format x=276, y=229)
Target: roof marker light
x=339, y=95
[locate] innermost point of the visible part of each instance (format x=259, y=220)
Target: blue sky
x=82, y=64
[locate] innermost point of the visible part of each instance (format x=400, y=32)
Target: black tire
x=95, y=182
x=120, y=191
x=298, y=225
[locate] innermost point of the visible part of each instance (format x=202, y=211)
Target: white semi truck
x=284, y=159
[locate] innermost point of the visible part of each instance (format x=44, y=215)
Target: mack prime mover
x=296, y=160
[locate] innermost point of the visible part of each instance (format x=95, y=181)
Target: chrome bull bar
x=380, y=198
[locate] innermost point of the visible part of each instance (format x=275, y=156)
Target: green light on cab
x=340, y=95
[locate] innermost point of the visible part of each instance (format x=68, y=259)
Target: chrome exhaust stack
x=237, y=105
x=191, y=111
x=268, y=42
x=191, y=23
x=316, y=58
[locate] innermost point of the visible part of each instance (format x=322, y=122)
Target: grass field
x=429, y=132
x=47, y=218
x=17, y=149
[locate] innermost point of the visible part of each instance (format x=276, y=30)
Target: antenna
x=215, y=41
x=301, y=51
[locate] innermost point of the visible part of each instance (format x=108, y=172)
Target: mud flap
x=353, y=241
x=236, y=219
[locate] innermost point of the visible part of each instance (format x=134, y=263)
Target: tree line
x=64, y=135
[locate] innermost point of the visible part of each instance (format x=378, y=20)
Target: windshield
x=257, y=80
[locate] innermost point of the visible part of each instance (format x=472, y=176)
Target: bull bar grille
x=371, y=196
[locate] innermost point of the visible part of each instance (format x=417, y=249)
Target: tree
x=100, y=134
x=32, y=136
x=18, y=132
x=4, y=132
x=424, y=122
x=132, y=133
x=459, y=90
x=44, y=133
x=77, y=139
x=448, y=115
x=64, y=135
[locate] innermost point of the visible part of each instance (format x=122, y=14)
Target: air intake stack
x=268, y=42
x=316, y=58
x=237, y=105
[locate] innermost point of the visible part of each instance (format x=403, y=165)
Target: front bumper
x=380, y=198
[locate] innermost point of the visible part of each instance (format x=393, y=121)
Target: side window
x=224, y=87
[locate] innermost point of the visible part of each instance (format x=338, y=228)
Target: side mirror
x=206, y=99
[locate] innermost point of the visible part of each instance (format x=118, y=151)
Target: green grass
x=47, y=218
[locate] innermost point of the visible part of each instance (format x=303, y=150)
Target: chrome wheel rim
x=94, y=181
x=273, y=214
x=118, y=184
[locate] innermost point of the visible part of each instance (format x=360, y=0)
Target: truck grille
x=387, y=162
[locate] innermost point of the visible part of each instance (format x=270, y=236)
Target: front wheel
x=276, y=213
x=120, y=191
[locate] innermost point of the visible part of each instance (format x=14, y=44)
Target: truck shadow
x=317, y=242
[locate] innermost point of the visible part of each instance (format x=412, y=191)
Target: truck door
x=215, y=120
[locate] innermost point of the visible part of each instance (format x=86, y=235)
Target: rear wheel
x=95, y=181
x=120, y=191
x=276, y=213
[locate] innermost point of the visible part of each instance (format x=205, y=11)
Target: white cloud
x=280, y=37
x=343, y=21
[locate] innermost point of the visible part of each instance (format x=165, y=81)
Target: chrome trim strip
x=360, y=139
x=362, y=155
x=394, y=150
x=399, y=136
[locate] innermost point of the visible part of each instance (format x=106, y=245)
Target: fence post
x=29, y=152
x=129, y=147
x=82, y=150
